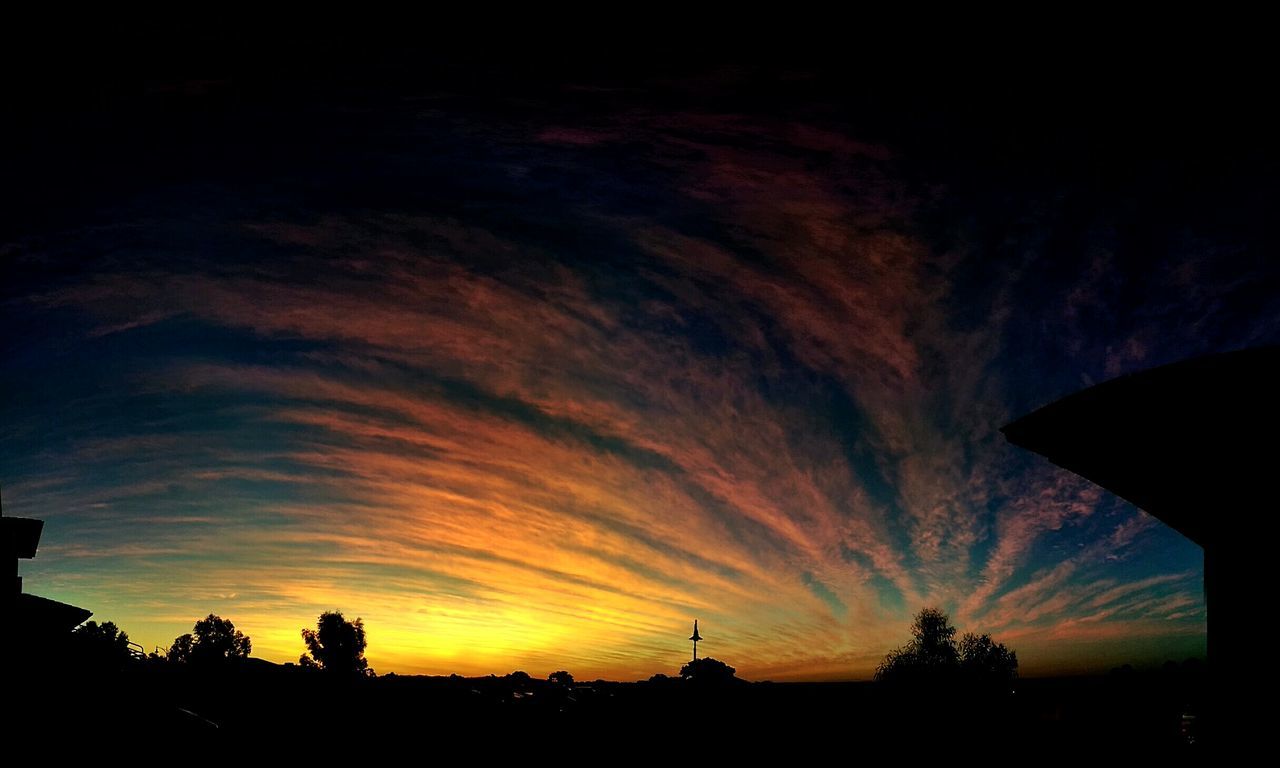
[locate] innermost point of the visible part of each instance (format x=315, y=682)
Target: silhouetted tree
x=180, y=651
x=218, y=640
x=930, y=655
x=933, y=656
x=560, y=678
x=335, y=645
x=986, y=662
x=213, y=641
x=934, y=638
x=708, y=671
x=102, y=645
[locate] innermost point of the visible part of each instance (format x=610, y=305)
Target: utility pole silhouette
x=696, y=637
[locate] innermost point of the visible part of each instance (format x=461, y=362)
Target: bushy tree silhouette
x=986, y=662
x=102, y=645
x=934, y=638
x=212, y=642
x=180, y=651
x=560, y=677
x=335, y=645
x=708, y=671
x=933, y=656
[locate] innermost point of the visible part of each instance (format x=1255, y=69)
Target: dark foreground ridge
x=255, y=702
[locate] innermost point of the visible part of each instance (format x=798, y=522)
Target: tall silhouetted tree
x=218, y=639
x=933, y=656
x=929, y=656
x=934, y=638
x=213, y=641
x=335, y=645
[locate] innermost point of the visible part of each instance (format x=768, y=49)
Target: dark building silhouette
x=1195, y=444
x=30, y=619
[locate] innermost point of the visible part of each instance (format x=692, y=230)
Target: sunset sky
x=529, y=367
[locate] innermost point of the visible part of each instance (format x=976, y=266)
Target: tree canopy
x=933, y=656
x=984, y=660
x=102, y=645
x=214, y=640
x=335, y=645
x=933, y=638
x=708, y=671
x=180, y=651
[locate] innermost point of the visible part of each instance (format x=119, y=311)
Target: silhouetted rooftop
x=40, y=614
x=1187, y=442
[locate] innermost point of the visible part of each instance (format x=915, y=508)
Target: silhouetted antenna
x=696, y=637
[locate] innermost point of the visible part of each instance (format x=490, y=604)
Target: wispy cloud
x=549, y=432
